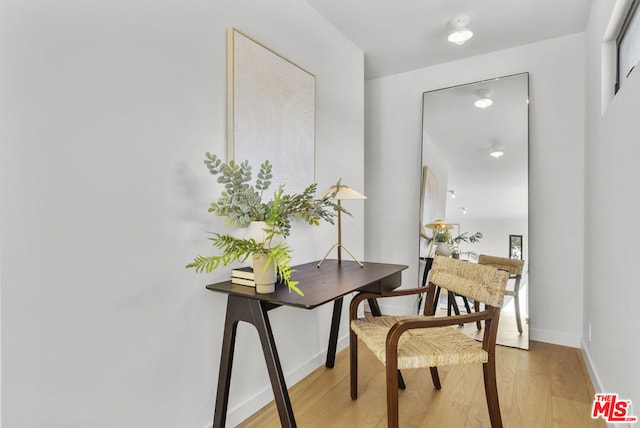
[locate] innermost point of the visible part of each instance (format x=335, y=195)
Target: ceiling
x=402, y=35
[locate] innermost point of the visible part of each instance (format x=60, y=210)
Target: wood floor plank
x=531, y=405
x=547, y=386
x=565, y=409
x=567, y=378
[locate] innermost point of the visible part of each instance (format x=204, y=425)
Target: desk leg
x=375, y=308
x=251, y=311
x=333, y=334
x=226, y=363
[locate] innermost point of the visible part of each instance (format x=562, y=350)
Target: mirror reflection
x=474, y=198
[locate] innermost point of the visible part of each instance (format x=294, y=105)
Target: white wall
x=611, y=233
x=556, y=156
x=108, y=108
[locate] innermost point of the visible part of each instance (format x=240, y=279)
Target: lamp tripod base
x=339, y=246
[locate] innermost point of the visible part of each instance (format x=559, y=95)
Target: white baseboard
x=595, y=380
x=593, y=373
x=555, y=337
x=247, y=408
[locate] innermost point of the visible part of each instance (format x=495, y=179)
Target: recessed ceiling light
x=483, y=100
x=496, y=151
x=460, y=33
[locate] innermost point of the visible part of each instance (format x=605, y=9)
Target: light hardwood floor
x=547, y=386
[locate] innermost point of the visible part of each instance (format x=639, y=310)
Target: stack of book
x=243, y=276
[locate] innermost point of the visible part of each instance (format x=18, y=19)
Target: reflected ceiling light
x=496, y=151
x=460, y=33
x=452, y=193
x=483, y=100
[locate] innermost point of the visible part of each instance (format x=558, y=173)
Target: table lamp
x=437, y=226
x=344, y=192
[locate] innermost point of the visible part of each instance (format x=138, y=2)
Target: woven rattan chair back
x=513, y=266
x=481, y=283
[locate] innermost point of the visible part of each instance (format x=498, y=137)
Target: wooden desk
x=328, y=283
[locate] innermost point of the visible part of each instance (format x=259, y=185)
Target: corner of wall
x=593, y=374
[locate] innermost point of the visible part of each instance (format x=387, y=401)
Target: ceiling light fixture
x=460, y=33
x=464, y=210
x=483, y=100
x=496, y=151
x=452, y=193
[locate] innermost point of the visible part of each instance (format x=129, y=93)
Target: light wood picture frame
x=270, y=112
x=429, y=196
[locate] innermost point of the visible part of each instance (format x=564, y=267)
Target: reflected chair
x=451, y=297
x=514, y=267
x=417, y=341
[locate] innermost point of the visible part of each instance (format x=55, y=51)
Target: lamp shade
x=344, y=192
x=439, y=225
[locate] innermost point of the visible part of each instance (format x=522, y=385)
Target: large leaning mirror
x=475, y=179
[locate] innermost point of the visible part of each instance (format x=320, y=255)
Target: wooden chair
x=514, y=267
x=426, y=341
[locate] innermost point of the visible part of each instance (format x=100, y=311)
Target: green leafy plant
x=241, y=203
x=465, y=237
x=279, y=256
x=443, y=236
x=454, y=242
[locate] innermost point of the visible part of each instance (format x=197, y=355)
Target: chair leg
x=401, y=383
x=491, y=391
x=392, y=394
x=435, y=377
x=516, y=302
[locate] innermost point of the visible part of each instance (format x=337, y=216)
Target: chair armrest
x=364, y=295
x=404, y=325
x=430, y=322
x=394, y=293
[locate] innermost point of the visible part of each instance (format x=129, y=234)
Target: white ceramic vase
x=442, y=249
x=263, y=274
x=255, y=231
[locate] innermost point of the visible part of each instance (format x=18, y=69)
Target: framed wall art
x=270, y=112
x=429, y=196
